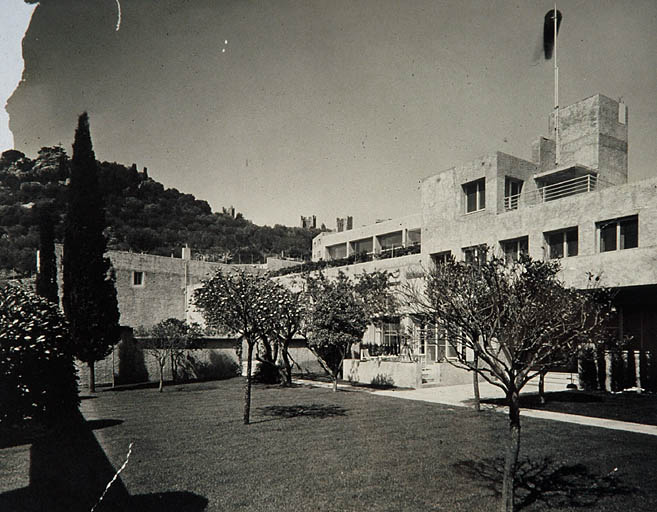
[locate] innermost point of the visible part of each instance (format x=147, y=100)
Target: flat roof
x=564, y=172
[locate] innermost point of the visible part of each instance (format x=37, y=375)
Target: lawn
x=309, y=449
x=629, y=406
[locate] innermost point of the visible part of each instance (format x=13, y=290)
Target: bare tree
x=508, y=323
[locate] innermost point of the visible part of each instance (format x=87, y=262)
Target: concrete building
x=380, y=239
x=573, y=203
x=152, y=288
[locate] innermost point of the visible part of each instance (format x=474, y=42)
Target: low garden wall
x=383, y=373
x=131, y=364
x=450, y=375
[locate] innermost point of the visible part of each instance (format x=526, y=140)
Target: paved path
x=459, y=395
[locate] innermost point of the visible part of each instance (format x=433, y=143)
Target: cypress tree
x=46, y=281
x=89, y=297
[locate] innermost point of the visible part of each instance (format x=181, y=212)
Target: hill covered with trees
x=142, y=215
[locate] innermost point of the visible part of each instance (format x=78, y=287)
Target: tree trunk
x=288, y=366
x=475, y=384
x=541, y=388
x=161, y=377
x=92, y=377
x=335, y=383
x=173, y=367
x=247, y=383
x=513, y=450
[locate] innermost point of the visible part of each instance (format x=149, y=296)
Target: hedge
x=38, y=376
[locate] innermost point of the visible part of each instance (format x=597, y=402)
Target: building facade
x=572, y=202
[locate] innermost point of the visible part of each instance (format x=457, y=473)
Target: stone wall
x=165, y=284
x=131, y=364
x=380, y=372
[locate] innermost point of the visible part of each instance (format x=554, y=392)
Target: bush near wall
x=592, y=370
x=588, y=369
x=38, y=376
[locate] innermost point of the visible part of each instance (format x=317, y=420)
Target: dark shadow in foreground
x=69, y=471
x=98, y=424
x=546, y=482
x=311, y=411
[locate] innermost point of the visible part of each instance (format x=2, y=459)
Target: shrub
x=267, y=373
x=588, y=370
x=38, y=376
x=217, y=366
x=383, y=381
x=649, y=371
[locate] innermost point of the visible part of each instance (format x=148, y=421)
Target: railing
x=571, y=187
x=361, y=257
x=511, y=202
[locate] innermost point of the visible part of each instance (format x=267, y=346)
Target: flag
x=548, y=32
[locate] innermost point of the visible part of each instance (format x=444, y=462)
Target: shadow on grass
x=533, y=401
x=546, y=483
x=98, y=424
x=69, y=471
x=131, y=387
x=310, y=411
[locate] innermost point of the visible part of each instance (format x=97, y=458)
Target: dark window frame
x=566, y=240
x=138, y=278
x=477, y=191
x=513, y=248
x=618, y=234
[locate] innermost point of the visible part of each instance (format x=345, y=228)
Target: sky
x=285, y=108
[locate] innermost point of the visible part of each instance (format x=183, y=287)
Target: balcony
x=554, y=191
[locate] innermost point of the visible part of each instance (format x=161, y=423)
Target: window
x=475, y=195
x=440, y=258
x=414, y=237
x=475, y=253
x=563, y=243
x=619, y=233
x=433, y=343
x=391, y=335
x=362, y=246
x=137, y=278
x=390, y=240
x=512, y=189
x=337, y=252
x=512, y=249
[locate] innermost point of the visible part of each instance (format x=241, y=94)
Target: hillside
x=142, y=216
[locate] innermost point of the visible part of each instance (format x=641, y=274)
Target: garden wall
x=380, y=372
x=131, y=364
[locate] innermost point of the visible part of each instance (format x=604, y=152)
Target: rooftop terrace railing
x=566, y=188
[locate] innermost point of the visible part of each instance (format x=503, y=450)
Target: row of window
x=615, y=234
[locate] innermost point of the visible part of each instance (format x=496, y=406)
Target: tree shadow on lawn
x=310, y=411
x=98, y=424
x=546, y=482
x=533, y=400
x=69, y=472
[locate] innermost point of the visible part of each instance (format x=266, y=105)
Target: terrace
x=551, y=188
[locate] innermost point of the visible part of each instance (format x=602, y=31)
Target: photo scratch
x=118, y=19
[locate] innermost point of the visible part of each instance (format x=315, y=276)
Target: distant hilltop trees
x=142, y=216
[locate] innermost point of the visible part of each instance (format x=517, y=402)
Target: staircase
x=429, y=377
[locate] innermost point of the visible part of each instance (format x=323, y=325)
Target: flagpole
x=557, y=153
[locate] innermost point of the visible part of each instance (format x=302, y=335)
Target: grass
x=309, y=449
x=629, y=406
